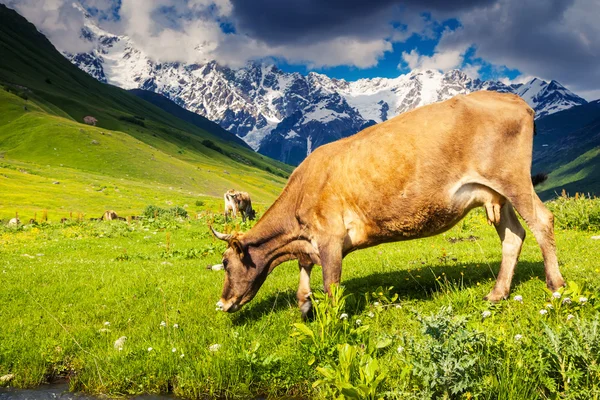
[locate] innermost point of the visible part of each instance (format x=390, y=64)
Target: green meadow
x=123, y=309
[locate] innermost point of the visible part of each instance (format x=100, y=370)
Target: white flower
x=518, y=298
x=518, y=337
x=358, y=322
x=486, y=314
x=175, y=326
x=570, y=317
x=398, y=306
x=556, y=295
x=163, y=324
x=182, y=355
x=376, y=304
x=583, y=300
x=173, y=350
x=150, y=349
x=566, y=300
x=549, y=306
x=107, y=323
x=543, y=312
x=400, y=349
x=370, y=315
x=120, y=342
x=214, y=347
x=344, y=316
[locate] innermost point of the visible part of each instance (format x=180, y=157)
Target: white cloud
x=442, y=61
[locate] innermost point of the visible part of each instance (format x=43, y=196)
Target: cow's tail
x=539, y=178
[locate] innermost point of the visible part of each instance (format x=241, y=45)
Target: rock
x=95, y=142
x=56, y=183
x=7, y=378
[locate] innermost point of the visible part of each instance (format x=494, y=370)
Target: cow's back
x=409, y=164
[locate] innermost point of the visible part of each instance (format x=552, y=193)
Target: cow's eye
x=225, y=264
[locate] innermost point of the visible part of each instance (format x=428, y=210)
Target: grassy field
x=71, y=293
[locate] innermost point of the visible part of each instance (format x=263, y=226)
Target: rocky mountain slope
x=287, y=115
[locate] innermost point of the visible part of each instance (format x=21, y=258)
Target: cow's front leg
x=331, y=262
x=304, y=292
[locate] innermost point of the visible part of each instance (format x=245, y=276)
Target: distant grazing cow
x=90, y=120
x=413, y=176
x=244, y=206
x=14, y=222
x=230, y=203
x=109, y=215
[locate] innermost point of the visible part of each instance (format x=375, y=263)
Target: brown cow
x=413, y=176
x=244, y=206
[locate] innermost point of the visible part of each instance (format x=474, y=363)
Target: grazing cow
x=109, y=215
x=14, y=222
x=230, y=203
x=413, y=176
x=244, y=206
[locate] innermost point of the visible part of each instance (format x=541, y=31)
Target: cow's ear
x=237, y=246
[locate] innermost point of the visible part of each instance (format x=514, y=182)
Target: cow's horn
x=221, y=236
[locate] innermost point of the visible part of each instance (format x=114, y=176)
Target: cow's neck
x=276, y=238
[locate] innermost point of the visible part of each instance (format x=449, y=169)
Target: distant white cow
x=14, y=222
x=231, y=207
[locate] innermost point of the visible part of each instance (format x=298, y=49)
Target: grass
x=70, y=291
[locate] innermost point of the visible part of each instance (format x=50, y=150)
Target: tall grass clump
x=579, y=212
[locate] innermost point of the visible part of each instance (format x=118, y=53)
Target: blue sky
x=509, y=40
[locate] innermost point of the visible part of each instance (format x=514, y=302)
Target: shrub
x=578, y=212
x=211, y=145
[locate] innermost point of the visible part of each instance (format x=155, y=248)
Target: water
x=61, y=392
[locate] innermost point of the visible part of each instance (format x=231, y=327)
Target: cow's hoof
x=494, y=297
x=556, y=284
x=307, y=310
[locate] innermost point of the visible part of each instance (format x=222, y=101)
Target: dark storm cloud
x=553, y=39
x=291, y=21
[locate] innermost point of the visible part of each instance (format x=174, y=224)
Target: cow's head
x=243, y=277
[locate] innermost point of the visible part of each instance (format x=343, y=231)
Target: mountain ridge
x=287, y=115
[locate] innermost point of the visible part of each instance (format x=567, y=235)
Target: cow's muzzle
x=227, y=306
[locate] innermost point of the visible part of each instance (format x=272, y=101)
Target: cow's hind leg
x=303, y=294
x=512, y=235
x=541, y=222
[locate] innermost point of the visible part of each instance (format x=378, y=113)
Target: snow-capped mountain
x=287, y=115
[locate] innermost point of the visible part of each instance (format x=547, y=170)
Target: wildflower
x=150, y=348
x=173, y=350
x=163, y=324
x=518, y=298
x=549, y=306
x=566, y=300
x=214, y=347
x=182, y=355
x=107, y=323
x=543, y=312
x=556, y=295
x=518, y=337
x=398, y=306
x=486, y=314
x=376, y=304
x=344, y=316
x=400, y=349
x=175, y=326
x=370, y=315
x=570, y=317
x=583, y=300
x=120, y=342
x=358, y=322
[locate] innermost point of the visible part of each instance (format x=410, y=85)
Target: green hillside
x=42, y=106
